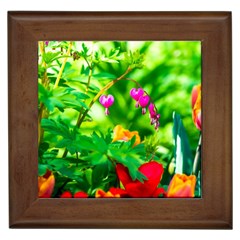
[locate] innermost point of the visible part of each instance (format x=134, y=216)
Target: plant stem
x=89, y=79
x=139, y=85
x=63, y=65
x=90, y=67
x=88, y=82
x=109, y=85
x=77, y=159
x=132, y=80
x=60, y=189
x=197, y=159
x=42, y=51
x=111, y=160
x=42, y=109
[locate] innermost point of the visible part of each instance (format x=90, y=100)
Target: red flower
x=68, y=194
x=80, y=195
x=149, y=188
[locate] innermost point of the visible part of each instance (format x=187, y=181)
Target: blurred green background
x=171, y=69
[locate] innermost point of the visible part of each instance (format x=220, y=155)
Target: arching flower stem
x=84, y=114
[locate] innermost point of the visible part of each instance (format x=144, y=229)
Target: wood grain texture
x=213, y=210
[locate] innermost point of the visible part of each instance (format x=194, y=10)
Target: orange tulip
x=125, y=135
x=46, y=185
x=112, y=193
x=181, y=185
x=196, y=106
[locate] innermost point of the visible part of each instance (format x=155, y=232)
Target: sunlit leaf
x=42, y=168
x=183, y=154
x=104, y=75
x=48, y=57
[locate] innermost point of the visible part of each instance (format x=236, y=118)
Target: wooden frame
x=213, y=210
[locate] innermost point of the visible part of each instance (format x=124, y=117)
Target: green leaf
x=67, y=138
x=68, y=70
x=56, y=128
x=42, y=168
x=85, y=143
x=62, y=98
x=60, y=91
x=183, y=155
x=52, y=102
x=72, y=172
x=43, y=94
x=98, y=159
x=108, y=60
x=198, y=185
x=47, y=98
x=132, y=141
x=43, y=147
x=114, y=52
x=49, y=57
x=80, y=95
x=84, y=72
x=104, y=75
x=134, y=59
x=130, y=159
x=85, y=49
x=50, y=154
x=99, y=143
x=88, y=175
x=133, y=169
x=41, y=71
x=100, y=172
x=58, y=163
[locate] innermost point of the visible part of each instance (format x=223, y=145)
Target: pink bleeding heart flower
x=136, y=94
x=154, y=116
x=106, y=101
x=143, y=101
x=151, y=109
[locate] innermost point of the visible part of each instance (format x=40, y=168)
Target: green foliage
x=77, y=138
x=49, y=57
x=182, y=153
x=134, y=59
x=62, y=98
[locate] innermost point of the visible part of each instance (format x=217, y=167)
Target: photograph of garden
x=119, y=119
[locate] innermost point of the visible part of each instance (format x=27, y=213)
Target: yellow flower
x=46, y=185
x=119, y=133
x=112, y=193
x=182, y=185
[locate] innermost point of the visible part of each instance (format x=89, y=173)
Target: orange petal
x=182, y=185
x=119, y=133
x=100, y=193
x=46, y=185
x=195, y=93
x=196, y=106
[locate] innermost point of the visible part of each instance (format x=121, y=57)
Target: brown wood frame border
x=213, y=210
